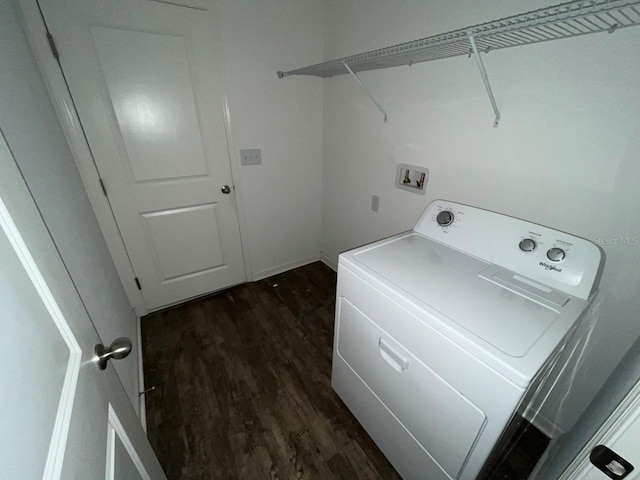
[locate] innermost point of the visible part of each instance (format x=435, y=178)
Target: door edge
x=627, y=409
x=36, y=31
x=234, y=161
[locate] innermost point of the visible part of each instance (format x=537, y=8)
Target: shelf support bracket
x=485, y=79
x=366, y=90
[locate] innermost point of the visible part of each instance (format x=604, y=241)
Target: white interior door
x=61, y=417
x=144, y=80
x=620, y=434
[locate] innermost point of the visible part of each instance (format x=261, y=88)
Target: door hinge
x=52, y=45
x=104, y=189
x=138, y=284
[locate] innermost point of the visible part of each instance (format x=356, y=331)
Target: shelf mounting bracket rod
x=485, y=79
x=366, y=90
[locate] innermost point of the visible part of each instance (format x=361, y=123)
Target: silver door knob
x=119, y=348
x=226, y=189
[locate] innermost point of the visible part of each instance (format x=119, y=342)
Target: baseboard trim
x=142, y=405
x=329, y=263
x=285, y=267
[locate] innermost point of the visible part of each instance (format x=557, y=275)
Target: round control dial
x=556, y=254
x=527, y=245
x=445, y=218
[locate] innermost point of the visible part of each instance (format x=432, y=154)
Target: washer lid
x=449, y=281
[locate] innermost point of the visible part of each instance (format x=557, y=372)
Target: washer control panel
x=555, y=259
x=555, y=254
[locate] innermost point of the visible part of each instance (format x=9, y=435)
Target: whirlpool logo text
x=550, y=267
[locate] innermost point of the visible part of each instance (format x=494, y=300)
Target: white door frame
x=36, y=32
x=626, y=412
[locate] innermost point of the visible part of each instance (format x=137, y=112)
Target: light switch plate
x=375, y=203
x=252, y=156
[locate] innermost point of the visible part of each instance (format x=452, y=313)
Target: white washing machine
x=441, y=330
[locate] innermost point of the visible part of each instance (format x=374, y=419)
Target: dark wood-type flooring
x=243, y=388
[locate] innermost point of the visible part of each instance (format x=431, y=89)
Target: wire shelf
x=566, y=20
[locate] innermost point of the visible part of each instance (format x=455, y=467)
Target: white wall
x=566, y=154
x=31, y=128
x=281, y=198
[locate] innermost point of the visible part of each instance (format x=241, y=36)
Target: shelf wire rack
x=565, y=20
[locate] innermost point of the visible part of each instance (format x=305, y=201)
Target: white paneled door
x=61, y=416
x=147, y=90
